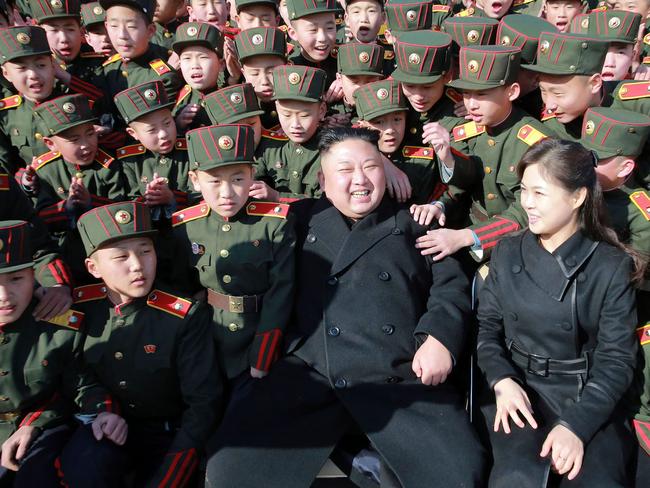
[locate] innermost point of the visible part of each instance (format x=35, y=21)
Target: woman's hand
x=512, y=400
x=566, y=449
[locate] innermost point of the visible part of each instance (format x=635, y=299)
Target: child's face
x=128, y=31
x=200, y=67
x=364, y=19
x=16, y=291
x=560, y=13
x=97, y=38
x=77, y=145
x=489, y=107
x=299, y=120
x=316, y=35
x=284, y=12
x=128, y=268
x=256, y=15
x=423, y=97
x=618, y=61
x=495, y=9
x=165, y=11
x=255, y=122
x=350, y=83
x=634, y=6
x=32, y=76
x=64, y=37
x=569, y=96
x=224, y=189
x=391, y=129
x=213, y=12
x=156, y=131
x=258, y=71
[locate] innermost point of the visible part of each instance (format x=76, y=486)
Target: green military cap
x=302, y=83
x=62, y=113
x=240, y=4
x=142, y=99
x=198, y=34
x=22, y=41
x=569, y=54
x=487, y=67
x=379, y=98
x=114, y=222
x=44, y=10
x=471, y=31
x=298, y=9
x=613, y=132
x=15, y=246
x=232, y=104
x=422, y=56
x=359, y=58
x=259, y=41
x=92, y=14
x=523, y=31
x=147, y=7
x=408, y=15
x=220, y=145
x=580, y=24
x=614, y=26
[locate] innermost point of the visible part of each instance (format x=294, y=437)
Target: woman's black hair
x=330, y=137
x=572, y=166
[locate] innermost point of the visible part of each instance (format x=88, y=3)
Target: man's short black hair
x=329, y=137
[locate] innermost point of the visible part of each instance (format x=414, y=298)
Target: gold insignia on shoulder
x=69, y=108
x=122, y=217
x=382, y=94
x=23, y=38
x=294, y=78
x=589, y=127
x=472, y=66
x=225, y=142
x=414, y=58
x=150, y=94
x=472, y=36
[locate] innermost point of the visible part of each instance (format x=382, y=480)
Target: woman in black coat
x=556, y=338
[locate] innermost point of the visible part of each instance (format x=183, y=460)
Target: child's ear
x=292, y=33
x=132, y=133
x=322, y=111
x=151, y=30
x=49, y=143
x=194, y=178
x=513, y=91
x=595, y=83
x=91, y=266
x=626, y=167
x=5, y=73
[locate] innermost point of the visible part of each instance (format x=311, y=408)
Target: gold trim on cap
x=149, y=94
x=472, y=66
x=472, y=36
x=294, y=78
x=590, y=127
x=226, y=142
x=382, y=94
x=257, y=39
x=23, y=38
x=414, y=58
x=364, y=57
x=122, y=217
x=614, y=22
x=236, y=98
x=411, y=15
x=69, y=108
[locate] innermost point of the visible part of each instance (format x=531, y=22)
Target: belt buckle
x=236, y=304
x=543, y=373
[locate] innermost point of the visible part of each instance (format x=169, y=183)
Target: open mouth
x=361, y=194
x=561, y=25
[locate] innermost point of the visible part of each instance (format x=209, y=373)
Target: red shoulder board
x=43, y=159
x=546, y=115
x=190, y=213
x=454, y=95
x=181, y=144
x=634, y=90
x=112, y=59
x=466, y=131
x=71, y=319
x=185, y=91
x=10, y=102
x=169, y=303
x=441, y=8
x=88, y=293
x=642, y=430
x=276, y=135
x=92, y=54
x=231, y=31
x=132, y=150
x=268, y=209
x=643, y=333
x=159, y=66
x=417, y=152
x=642, y=201
x=530, y=135
x=4, y=182
x=104, y=158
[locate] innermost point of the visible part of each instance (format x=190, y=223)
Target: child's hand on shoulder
x=262, y=191
x=424, y=214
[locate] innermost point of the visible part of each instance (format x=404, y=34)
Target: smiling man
x=386, y=368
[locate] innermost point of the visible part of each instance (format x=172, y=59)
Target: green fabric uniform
x=232, y=104
x=614, y=26
x=245, y=262
x=408, y=15
x=92, y=14
x=489, y=176
x=470, y=31
x=532, y=8
x=152, y=353
x=164, y=36
x=189, y=96
x=292, y=168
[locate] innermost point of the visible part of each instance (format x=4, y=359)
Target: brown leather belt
x=9, y=416
x=245, y=304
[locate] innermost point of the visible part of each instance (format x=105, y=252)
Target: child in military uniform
x=152, y=351
x=493, y=9
x=240, y=251
x=199, y=47
x=42, y=374
x=560, y=13
x=364, y=19
x=94, y=30
x=256, y=13
x=213, y=12
x=74, y=176
x=156, y=168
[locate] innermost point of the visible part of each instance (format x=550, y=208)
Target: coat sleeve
x=613, y=360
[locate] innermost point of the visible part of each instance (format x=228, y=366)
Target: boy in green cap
x=165, y=21
x=156, y=167
x=199, y=47
x=256, y=13
x=214, y=12
x=621, y=29
x=493, y=9
x=468, y=32
x=42, y=374
x=560, y=13
x=152, y=349
x=497, y=135
x=94, y=30
x=364, y=19
x=240, y=252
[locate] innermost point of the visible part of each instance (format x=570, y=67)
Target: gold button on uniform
x=488, y=170
x=119, y=355
x=225, y=227
x=299, y=150
x=227, y=278
x=491, y=142
x=491, y=196
x=224, y=253
x=232, y=327
x=294, y=174
x=119, y=322
x=38, y=136
x=413, y=130
x=125, y=73
x=4, y=398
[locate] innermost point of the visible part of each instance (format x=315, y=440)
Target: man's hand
x=78, y=195
x=432, y=362
x=261, y=191
x=15, y=448
x=424, y=214
x=111, y=426
x=334, y=92
x=443, y=242
x=158, y=192
x=437, y=136
x=258, y=373
x=566, y=449
x=174, y=61
x=337, y=120
x=231, y=59
x=186, y=115
x=397, y=183
x=52, y=301
x=29, y=179
x=511, y=398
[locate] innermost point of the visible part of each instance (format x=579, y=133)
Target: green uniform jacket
x=24, y=131
x=87, y=72
x=419, y=164
x=163, y=37
x=41, y=374
x=154, y=356
x=188, y=96
x=442, y=112
x=329, y=65
x=251, y=253
x=629, y=215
